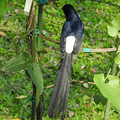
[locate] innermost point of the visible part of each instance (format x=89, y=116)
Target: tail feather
x=60, y=93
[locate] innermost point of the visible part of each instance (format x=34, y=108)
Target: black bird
x=70, y=43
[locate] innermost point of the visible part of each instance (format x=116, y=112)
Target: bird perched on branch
x=70, y=43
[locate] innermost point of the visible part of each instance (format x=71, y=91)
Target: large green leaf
x=17, y=63
x=110, y=90
x=117, y=59
x=36, y=76
x=3, y=8
x=114, y=27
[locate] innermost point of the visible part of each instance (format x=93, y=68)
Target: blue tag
x=87, y=50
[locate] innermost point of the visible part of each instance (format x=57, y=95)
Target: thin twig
x=48, y=39
x=24, y=109
x=49, y=87
x=12, y=84
x=48, y=1
x=92, y=83
x=28, y=32
x=30, y=20
x=106, y=2
x=37, y=4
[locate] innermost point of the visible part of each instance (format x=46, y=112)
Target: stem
x=33, y=104
x=37, y=104
x=114, y=64
x=106, y=117
x=33, y=51
x=38, y=44
x=38, y=40
x=34, y=45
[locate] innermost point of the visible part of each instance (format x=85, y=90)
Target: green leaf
x=110, y=90
x=98, y=98
x=17, y=63
x=36, y=76
x=119, y=34
x=114, y=27
x=117, y=59
x=3, y=8
x=30, y=60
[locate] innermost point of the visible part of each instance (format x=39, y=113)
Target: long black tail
x=60, y=93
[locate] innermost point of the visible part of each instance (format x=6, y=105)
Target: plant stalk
x=34, y=55
x=34, y=46
x=38, y=40
x=106, y=116
x=37, y=99
x=33, y=103
x=38, y=44
x=114, y=64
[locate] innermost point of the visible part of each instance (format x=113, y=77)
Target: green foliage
x=117, y=58
x=17, y=63
x=110, y=90
x=109, y=86
x=9, y=93
x=96, y=17
x=10, y=26
x=98, y=98
x=114, y=27
x=23, y=61
x=3, y=8
x=36, y=76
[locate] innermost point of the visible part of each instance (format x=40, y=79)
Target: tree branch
x=106, y=3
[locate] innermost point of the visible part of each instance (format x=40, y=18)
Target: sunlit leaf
x=21, y=97
x=2, y=34
x=117, y=59
x=110, y=90
x=114, y=27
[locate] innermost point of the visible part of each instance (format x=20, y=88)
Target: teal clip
x=119, y=7
x=35, y=32
x=32, y=99
x=87, y=50
x=42, y=1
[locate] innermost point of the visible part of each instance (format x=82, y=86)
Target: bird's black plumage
x=72, y=27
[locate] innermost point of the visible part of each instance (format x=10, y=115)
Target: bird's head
x=68, y=10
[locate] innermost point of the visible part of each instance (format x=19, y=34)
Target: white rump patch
x=70, y=41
